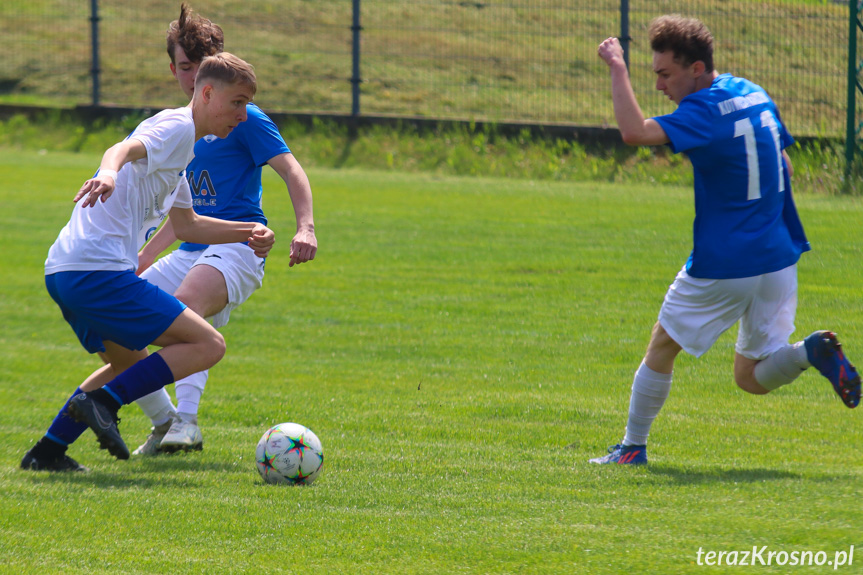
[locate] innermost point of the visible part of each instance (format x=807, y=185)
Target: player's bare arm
x=634, y=129
x=191, y=227
x=102, y=184
x=304, y=245
x=790, y=167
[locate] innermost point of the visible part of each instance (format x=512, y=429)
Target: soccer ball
x=289, y=453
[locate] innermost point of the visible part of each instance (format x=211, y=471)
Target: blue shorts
x=113, y=306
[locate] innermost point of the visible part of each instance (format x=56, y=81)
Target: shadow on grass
x=140, y=474
x=689, y=476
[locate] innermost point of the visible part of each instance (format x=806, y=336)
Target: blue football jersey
x=746, y=223
x=225, y=176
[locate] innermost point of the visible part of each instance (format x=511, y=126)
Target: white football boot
x=184, y=435
x=157, y=433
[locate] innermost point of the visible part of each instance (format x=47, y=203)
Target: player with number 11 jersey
x=747, y=236
x=746, y=223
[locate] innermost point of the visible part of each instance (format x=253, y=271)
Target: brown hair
x=225, y=68
x=197, y=36
x=687, y=38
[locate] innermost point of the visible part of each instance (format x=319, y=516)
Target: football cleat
x=183, y=435
x=623, y=455
x=102, y=420
x=824, y=352
x=152, y=445
x=64, y=463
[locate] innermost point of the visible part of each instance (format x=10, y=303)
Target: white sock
x=189, y=417
x=782, y=366
x=649, y=392
x=189, y=391
x=157, y=406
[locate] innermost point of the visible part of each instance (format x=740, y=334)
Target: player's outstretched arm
x=191, y=227
x=115, y=157
x=304, y=245
x=634, y=129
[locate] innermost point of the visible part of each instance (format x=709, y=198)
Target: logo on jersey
x=149, y=234
x=203, y=190
x=209, y=138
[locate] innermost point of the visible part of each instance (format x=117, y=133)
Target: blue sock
x=148, y=375
x=65, y=430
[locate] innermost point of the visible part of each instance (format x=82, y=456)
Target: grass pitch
x=461, y=346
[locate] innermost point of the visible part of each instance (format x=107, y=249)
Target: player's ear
x=207, y=92
x=698, y=68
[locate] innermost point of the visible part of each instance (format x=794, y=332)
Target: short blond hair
x=227, y=69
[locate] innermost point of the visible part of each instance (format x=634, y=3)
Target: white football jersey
x=108, y=235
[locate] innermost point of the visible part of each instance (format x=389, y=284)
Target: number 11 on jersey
x=744, y=128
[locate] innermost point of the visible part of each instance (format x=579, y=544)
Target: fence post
x=624, y=30
x=94, y=39
x=355, y=77
x=853, y=87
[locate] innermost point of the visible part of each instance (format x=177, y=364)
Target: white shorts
x=697, y=311
x=242, y=269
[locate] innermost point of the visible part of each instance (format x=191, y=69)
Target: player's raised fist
x=610, y=51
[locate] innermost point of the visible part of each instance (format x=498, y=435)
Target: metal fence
x=528, y=61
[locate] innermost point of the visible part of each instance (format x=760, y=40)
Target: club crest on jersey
x=210, y=138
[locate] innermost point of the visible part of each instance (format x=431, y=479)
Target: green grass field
x=461, y=346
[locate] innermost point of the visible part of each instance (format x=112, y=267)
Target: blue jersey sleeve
x=784, y=137
x=261, y=136
x=690, y=126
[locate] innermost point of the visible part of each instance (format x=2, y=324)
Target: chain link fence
x=531, y=61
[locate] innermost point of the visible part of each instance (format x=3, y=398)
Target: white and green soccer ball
x=289, y=453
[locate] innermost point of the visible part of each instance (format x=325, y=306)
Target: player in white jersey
x=747, y=236
x=225, y=178
x=90, y=269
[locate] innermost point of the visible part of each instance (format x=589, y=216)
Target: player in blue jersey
x=225, y=179
x=747, y=235
x=90, y=269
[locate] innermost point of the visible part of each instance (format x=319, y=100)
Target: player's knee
x=660, y=338
x=661, y=351
x=219, y=346
x=749, y=384
x=214, y=349
x=744, y=376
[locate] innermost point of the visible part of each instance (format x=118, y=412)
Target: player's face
x=673, y=79
x=227, y=107
x=184, y=71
